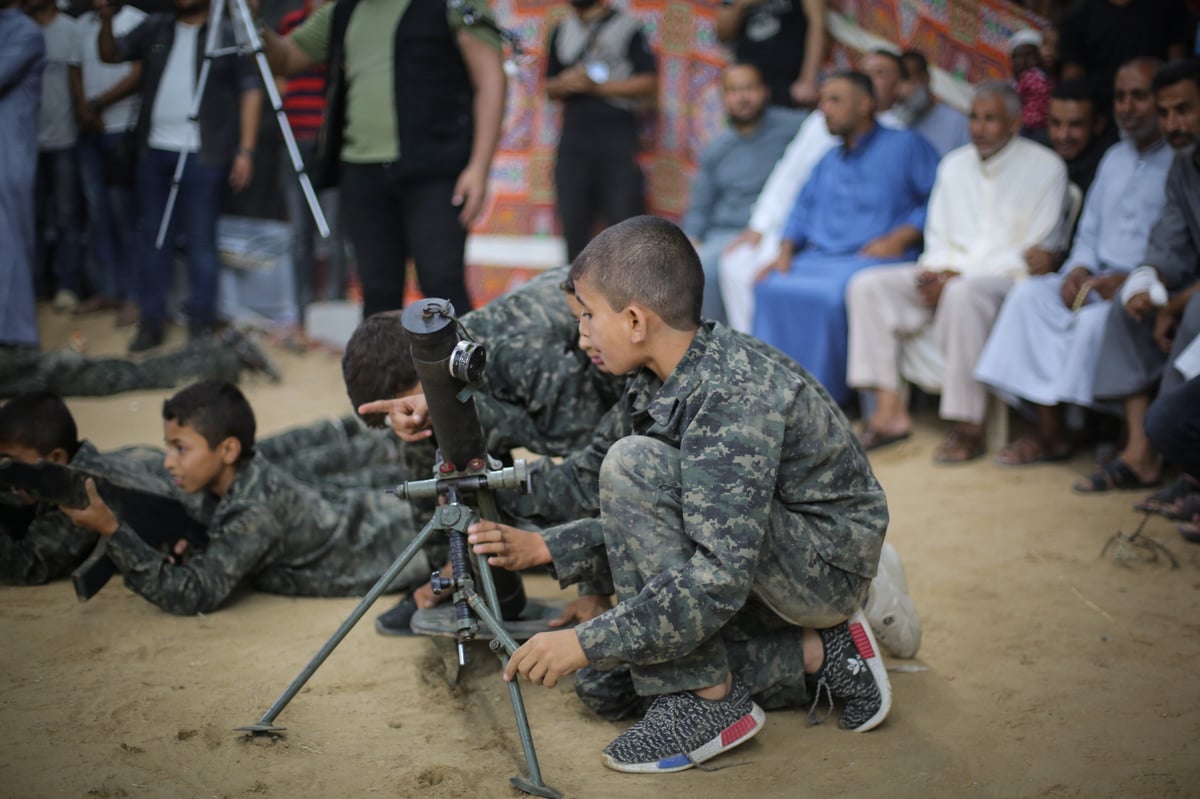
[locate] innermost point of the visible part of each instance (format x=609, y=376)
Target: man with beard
x=733, y=169
x=921, y=112
x=863, y=205
x=1046, y=342
x=219, y=144
x=1158, y=312
x=990, y=203
x=599, y=65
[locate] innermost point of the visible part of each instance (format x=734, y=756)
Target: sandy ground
x=1045, y=670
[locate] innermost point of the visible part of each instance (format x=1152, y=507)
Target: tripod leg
x=210, y=47
x=491, y=617
x=266, y=723
x=289, y=139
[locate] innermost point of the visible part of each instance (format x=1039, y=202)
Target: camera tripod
x=246, y=38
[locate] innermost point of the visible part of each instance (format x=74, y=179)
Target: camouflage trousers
x=339, y=455
x=770, y=664
x=793, y=587
x=71, y=374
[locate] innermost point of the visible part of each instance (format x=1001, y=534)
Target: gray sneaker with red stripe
x=853, y=672
x=682, y=730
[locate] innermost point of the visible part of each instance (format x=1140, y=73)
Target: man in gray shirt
x=733, y=169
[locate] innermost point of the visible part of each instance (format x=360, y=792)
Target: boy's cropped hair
x=378, y=364
x=1177, y=72
x=646, y=260
x=41, y=421
x=217, y=410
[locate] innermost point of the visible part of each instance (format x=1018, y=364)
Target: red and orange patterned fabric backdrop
x=967, y=38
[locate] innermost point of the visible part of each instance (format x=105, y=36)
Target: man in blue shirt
x=863, y=205
x=733, y=169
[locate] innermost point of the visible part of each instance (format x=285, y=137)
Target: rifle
x=159, y=520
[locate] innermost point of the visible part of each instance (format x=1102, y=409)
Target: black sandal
x=1169, y=501
x=1116, y=475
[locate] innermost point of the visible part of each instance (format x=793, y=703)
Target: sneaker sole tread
x=731, y=737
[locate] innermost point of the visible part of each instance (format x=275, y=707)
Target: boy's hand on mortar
x=96, y=516
x=547, y=656
x=507, y=547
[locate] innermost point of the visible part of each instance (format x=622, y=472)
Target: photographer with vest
x=415, y=101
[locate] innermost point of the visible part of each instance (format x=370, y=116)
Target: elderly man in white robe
x=991, y=201
x=1046, y=341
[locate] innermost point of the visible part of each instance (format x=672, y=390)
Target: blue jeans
x=59, y=237
x=195, y=218
x=112, y=231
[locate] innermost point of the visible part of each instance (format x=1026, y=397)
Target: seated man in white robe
x=990, y=202
x=1045, y=344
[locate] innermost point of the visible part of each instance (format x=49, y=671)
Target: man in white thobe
x=990, y=202
x=1045, y=344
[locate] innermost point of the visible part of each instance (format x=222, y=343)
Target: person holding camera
x=599, y=65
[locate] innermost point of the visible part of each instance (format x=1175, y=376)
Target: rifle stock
x=158, y=520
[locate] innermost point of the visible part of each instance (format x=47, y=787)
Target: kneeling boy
x=740, y=524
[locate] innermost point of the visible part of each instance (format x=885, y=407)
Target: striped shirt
x=304, y=95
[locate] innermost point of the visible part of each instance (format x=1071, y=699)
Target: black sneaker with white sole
x=682, y=730
x=853, y=671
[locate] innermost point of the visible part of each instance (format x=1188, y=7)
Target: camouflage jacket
x=281, y=537
x=52, y=546
x=751, y=431
x=540, y=391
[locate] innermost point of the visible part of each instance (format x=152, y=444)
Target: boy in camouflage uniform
x=42, y=544
x=265, y=528
x=38, y=426
x=539, y=390
x=71, y=374
x=740, y=525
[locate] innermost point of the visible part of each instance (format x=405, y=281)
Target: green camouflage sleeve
x=570, y=489
x=51, y=548
x=578, y=556
x=236, y=548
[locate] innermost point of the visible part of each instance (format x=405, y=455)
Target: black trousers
x=1173, y=426
x=389, y=219
x=608, y=185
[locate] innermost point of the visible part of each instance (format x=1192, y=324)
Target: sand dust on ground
x=1046, y=671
